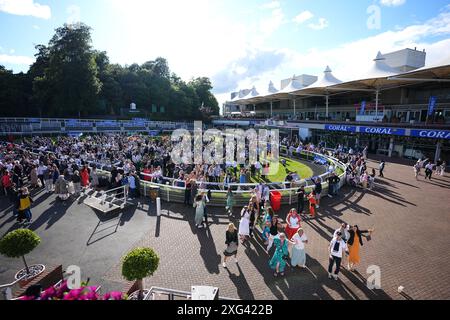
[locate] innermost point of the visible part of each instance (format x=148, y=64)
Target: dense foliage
x=18, y=243
x=71, y=79
x=139, y=264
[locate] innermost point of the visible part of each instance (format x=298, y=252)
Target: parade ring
x=172, y=190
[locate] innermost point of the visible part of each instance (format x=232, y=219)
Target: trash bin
x=275, y=200
x=154, y=193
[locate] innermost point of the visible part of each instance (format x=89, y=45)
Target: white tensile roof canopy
x=379, y=77
x=321, y=86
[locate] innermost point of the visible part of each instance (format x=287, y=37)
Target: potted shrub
x=17, y=244
x=139, y=264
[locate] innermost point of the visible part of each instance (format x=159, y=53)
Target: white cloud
x=322, y=24
x=74, y=13
x=36, y=27
x=269, y=25
x=303, y=16
x=271, y=5
x=392, y=3
x=16, y=60
x=351, y=60
x=25, y=8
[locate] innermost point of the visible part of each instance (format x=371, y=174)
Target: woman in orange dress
x=354, y=243
x=312, y=203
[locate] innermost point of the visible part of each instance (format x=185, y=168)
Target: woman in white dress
x=244, y=225
x=298, y=256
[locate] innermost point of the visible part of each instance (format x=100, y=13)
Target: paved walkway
x=410, y=244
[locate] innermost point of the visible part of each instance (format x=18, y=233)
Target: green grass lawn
x=291, y=166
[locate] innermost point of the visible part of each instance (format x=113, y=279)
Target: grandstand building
x=400, y=108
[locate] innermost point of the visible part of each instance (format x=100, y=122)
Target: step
x=100, y=205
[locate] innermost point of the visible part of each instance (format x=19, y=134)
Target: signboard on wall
x=381, y=130
x=431, y=134
x=341, y=128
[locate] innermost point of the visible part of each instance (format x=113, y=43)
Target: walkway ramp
x=107, y=201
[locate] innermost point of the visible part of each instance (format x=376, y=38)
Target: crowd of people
x=68, y=165
x=429, y=167
x=289, y=241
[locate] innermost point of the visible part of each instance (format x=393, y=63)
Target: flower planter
x=134, y=295
x=35, y=270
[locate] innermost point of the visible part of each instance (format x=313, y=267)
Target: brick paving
x=411, y=221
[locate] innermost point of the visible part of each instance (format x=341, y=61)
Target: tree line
x=71, y=79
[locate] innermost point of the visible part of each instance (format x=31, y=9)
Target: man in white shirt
x=336, y=249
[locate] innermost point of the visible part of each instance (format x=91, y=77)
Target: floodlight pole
x=294, y=106
x=326, y=104
x=377, y=95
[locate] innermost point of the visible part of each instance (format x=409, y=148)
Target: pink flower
x=48, y=294
x=115, y=295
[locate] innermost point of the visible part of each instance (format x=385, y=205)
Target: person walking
x=56, y=174
x=381, y=167
x=417, y=168
x=443, y=166
x=244, y=225
x=336, y=250
x=429, y=170
x=318, y=191
x=274, y=227
x=24, y=208
x=438, y=167
x=84, y=175
x=312, y=203
x=62, y=188
x=199, y=206
x=345, y=235
x=252, y=210
x=298, y=256
x=232, y=242
x=48, y=178
x=40, y=171
x=300, y=200
x=230, y=202
x=292, y=223
x=278, y=262
x=333, y=184
x=354, y=243
x=132, y=185
x=34, y=177
x=187, y=193
x=94, y=178
x=76, y=179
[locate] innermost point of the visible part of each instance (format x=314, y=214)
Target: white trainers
x=329, y=275
x=224, y=264
x=335, y=276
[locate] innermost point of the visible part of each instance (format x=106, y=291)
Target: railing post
x=158, y=206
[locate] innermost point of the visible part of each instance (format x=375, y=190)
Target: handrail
x=172, y=292
x=13, y=283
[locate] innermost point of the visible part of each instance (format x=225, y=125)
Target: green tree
x=139, y=264
x=18, y=243
x=203, y=87
x=72, y=72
